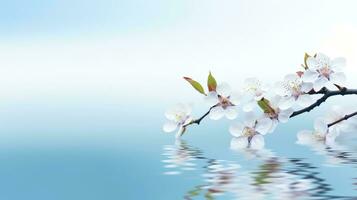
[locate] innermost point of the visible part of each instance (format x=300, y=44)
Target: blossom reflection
x=180, y=157
x=263, y=176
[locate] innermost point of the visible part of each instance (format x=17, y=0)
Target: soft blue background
x=84, y=85
x=93, y=151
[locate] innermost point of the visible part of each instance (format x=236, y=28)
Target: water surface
x=97, y=152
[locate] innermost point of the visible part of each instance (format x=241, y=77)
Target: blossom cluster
x=323, y=133
x=263, y=105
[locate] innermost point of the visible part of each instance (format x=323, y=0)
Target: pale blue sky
x=79, y=72
x=78, y=48
x=75, y=17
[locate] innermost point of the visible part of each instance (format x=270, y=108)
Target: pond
x=100, y=154
x=289, y=171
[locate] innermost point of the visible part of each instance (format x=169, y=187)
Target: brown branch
x=198, y=121
x=326, y=94
x=346, y=117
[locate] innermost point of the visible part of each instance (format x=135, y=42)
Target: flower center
x=293, y=87
x=178, y=116
x=181, y=118
x=249, y=132
x=319, y=136
x=325, y=71
x=224, y=101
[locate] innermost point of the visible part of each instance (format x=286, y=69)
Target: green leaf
x=265, y=172
x=211, y=83
x=305, y=59
x=264, y=104
x=195, y=85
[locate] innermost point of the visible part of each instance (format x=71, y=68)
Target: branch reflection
x=266, y=177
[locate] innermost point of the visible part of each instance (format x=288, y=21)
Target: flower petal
x=188, y=120
x=231, y=112
x=330, y=140
x=179, y=132
x=257, y=142
x=286, y=102
x=177, y=109
x=235, y=98
x=250, y=119
x=169, y=126
x=304, y=100
x=291, y=77
x=284, y=115
x=310, y=75
x=331, y=136
x=274, y=125
x=338, y=78
x=239, y=143
x=274, y=101
x=224, y=89
x=170, y=114
x=306, y=87
x=216, y=113
x=322, y=59
x=236, y=129
x=280, y=89
x=187, y=109
x=263, y=125
x=320, y=83
x=211, y=98
x=320, y=126
x=305, y=137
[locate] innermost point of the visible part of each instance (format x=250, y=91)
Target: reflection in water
x=248, y=153
x=272, y=178
x=180, y=157
x=319, y=187
x=335, y=154
x=341, y=156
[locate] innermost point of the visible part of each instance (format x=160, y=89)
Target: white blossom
x=224, y=102
x=293, y=91
x=321, y=134
x=337, y=113
x=250, y=133
x=178, y=116
x=254, y=91
x=277, y=114
x=324, y=72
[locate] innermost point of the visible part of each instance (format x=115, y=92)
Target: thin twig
x=346, y=117
x=198, y=121
x=327, y=94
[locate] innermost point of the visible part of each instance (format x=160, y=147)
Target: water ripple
x=269, y=177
